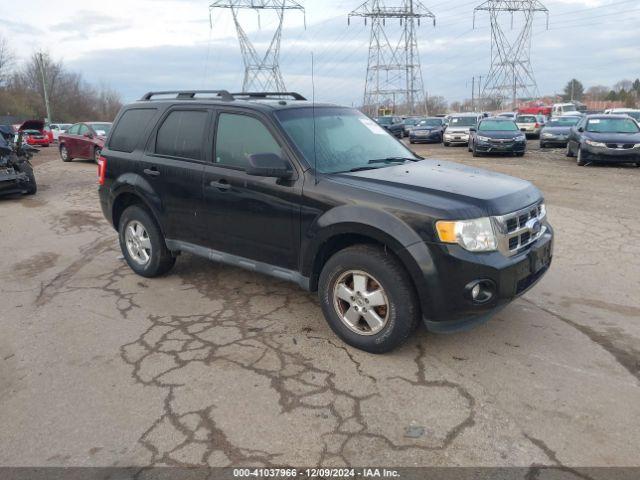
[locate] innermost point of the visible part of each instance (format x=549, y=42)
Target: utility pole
x=480, y=94
x=261, y=72
x=40, y=61
x=473, y=94
x=394, y=69
x=511, y=74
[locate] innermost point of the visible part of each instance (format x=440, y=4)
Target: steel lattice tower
x=261, y=73
x=394, y=75
x=511, y=73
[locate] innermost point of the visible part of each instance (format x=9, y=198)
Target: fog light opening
x=481, y=291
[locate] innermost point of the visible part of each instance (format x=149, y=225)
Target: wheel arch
x=127, y=196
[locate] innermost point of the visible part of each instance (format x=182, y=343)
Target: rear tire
x=147, y=245
x=569, y=151
x=379, y=278
x=446, y=144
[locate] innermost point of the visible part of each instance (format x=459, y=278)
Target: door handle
x=220, y=185
x=152, y=172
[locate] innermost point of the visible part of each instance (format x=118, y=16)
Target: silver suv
x=457, y=131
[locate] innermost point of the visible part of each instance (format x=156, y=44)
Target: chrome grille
x=517, y=230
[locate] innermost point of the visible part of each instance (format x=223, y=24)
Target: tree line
x=71, y=98
x=626, y=91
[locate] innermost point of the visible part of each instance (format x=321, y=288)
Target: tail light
x=537, y=125
x=102, y=169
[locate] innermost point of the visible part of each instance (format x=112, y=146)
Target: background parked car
x=632, y=112
x=58, y=128
x=555, y=132
x=409, y=123
x=497, y=135
x=605, y=138
x=84, y=141
x=393, y=124
x=457, y=131
x=34, y=133
x=427, y=131
x=530, y=124
x=509, y=115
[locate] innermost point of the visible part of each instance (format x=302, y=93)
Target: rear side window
x=74, y=130
x=130, y=128
x=239, y=136
x=181, y=134
x=83, y=129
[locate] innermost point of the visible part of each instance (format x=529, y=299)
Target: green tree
x=574, y=90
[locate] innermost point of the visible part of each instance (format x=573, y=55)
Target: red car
x=34, y=133
x=83, y=141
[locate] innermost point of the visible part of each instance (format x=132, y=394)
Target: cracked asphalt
x=216, y=366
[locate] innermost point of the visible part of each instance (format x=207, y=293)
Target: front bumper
x=12, y=181
x=447, y=306
x=559, y=140
x=432, y=136
x=511, y=147
x=38, y=141
x=461, y=137
x=610, y=155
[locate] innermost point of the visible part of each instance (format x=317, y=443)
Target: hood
x=32, y=125
x=500, y=134
x=557, y=130
x=613, y=137
x=427, y=127
x=449, y=190
x=458, y=129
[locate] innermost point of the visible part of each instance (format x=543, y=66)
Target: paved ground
x=219, y=366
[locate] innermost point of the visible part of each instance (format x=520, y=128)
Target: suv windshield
x=463, y=121
x=498, y=126
x=563, y=121
x=412, y=121
x=345, y=139
x=612, y=125
x=430, y=122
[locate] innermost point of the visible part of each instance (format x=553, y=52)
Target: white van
x=560, y=109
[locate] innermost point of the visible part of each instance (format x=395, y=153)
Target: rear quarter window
x=131, y=126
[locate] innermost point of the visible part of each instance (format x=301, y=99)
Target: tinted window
x=83, y=129
x=181, y=134
x=463, y=121
x=498, y=126
x=240, y=136
x=130, y=128
x=74, y=130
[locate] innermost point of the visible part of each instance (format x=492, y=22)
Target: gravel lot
x=215, y=365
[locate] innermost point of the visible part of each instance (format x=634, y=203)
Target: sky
x=135, y=46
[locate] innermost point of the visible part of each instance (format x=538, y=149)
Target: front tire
x=142, y=243
x=580, y=159
x=96, y=154
x=368, y=299
x=569, y=151
x=25, y=167
x=64, y=153
x=446, y=144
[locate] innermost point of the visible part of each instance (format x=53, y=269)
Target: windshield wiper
x=393, y=160
x=360, y=169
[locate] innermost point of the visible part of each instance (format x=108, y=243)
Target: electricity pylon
x=394, y=76
x=511, y=73
x=261, y=73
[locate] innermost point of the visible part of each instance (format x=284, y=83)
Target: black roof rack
x=190, y=94
x=294, y=95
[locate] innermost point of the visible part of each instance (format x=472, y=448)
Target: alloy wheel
x=138, y=242
x=361, y=302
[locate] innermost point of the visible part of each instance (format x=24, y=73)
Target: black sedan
x=497, y=135
x=605, y=138
x=394, y=125
x=556, y=131
x=429, y=130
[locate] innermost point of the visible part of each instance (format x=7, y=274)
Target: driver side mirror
x=88, y=135
x=472, y=129
x=580, y=129
x=268, y=165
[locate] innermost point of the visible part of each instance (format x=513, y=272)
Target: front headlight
x=594, y=144
x=473, y=235
x=483, y=139
x=521, y=138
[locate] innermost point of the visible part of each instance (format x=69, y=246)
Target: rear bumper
x=446, y=303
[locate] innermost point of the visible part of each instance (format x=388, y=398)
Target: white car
x=457, y=131
x=560, y=109
x=632, y=112
x=58, y=128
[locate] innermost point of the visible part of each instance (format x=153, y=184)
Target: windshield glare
x=498, y=126
x=101, y=128
x=612, y=125
x=463, y=121
x=430, y=122
x=563, y=122
x=345, y=138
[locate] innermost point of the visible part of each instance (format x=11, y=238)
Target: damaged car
x=16, y=171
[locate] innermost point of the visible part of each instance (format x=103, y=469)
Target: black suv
x=323, y=196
